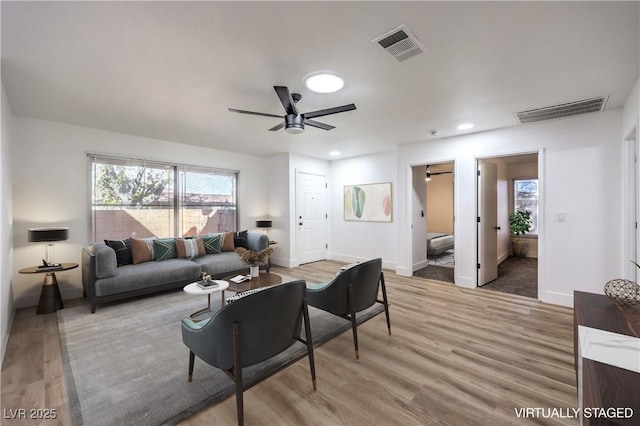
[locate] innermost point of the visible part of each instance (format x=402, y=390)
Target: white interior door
x=487, y=226
x=311, y=218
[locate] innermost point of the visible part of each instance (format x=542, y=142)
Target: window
x=525, y=197
x=137, y=198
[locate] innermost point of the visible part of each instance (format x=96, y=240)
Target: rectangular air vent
x=561, y=111
x=400, y=43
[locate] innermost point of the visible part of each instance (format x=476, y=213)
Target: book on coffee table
x=240, y=278
x=207, y=284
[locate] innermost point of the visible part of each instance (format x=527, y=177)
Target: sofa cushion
x=165, y=248
x=212, y=243
x=142, y=250
x=190, y=248
x=219, y=265
x=147, y=275
x=122, y=249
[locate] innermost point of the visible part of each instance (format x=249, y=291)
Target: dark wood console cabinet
x=603, y=385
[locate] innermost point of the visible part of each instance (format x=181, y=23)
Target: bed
x=438, y=243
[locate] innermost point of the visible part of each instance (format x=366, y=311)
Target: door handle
x=300, y=223
x=497, y=228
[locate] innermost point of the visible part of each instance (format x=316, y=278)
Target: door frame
x=542, y=288
x=631, y=199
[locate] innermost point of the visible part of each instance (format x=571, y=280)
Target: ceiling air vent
x=400, y=43
x=561, y=111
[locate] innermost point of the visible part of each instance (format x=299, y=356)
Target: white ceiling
x=170, y=70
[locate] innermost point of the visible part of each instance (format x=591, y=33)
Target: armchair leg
x=385, y=301
x=309, y=339
x=237, y=373
x=354, y=324
x=192, y=358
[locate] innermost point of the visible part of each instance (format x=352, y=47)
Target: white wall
x=357, y=241
x=282, y=203
x=51, y=187
x=7, y=310
x=631, y=110
x=578, y=163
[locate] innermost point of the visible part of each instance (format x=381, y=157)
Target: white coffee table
x=196, y=290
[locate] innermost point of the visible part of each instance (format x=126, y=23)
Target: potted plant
x=254, y=258
x=519, y=224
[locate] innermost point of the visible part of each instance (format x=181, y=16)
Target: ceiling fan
x=430, y=173
x=294, y=122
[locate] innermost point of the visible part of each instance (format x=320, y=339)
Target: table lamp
x=264, y=224
x=48, y=235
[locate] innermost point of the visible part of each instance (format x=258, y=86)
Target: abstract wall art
x=368, y=202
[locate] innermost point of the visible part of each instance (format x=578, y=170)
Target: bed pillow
x=122, y=249
x=142, y=250
x=165, y=248
x=190, y=248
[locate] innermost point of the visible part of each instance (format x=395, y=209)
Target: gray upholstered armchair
x=250, y=330
x=351, y=291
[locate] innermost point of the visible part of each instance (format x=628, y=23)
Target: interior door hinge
x=478, y=219
x=326, y=246
x=478, y=266
x=326, y=216
x=478, y=172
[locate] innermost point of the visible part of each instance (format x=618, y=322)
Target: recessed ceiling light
x=324, y=82
x=465, y=126
x=334, y=153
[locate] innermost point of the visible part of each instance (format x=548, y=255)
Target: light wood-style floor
x=456, y=357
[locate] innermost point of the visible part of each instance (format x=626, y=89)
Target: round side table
x=196, y=290
x=50, y=298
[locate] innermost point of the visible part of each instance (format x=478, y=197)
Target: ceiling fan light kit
x=294, y=122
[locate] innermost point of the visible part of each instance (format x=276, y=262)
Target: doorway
x=311, y=217
x=506, y=184
x=437, y=220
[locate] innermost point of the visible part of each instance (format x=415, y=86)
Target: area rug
x=516, y=275
x=126, y=364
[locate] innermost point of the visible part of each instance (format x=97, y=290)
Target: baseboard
x=286, y=263
x=420, y=265
x=5, y=337
x=503, y=257
x=403, y=271
x=466, y=282
x=353, y=259
x=561, y=299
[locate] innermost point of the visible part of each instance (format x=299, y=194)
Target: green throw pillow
x=165, y=248
x=212, y=244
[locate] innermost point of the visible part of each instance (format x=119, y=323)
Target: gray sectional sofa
x=103, y=281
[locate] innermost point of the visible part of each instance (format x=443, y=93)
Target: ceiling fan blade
x=328, y=111
x=241, y=111
x=440, y=173
x=277, y=127
x=318, y=124
x=286, y=99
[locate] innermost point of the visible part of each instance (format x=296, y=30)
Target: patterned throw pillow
x=212, y=243
x=227, y=242
x=165, y=248
x=122, y=249
x=190, y=248
x=142, y=250
x=240, y=239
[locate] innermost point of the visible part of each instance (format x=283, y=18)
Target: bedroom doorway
x=438, y=222
x=515, y=187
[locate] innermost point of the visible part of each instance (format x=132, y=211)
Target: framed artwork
x=369, y=202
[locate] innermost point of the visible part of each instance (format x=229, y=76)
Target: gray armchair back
x=250, y=330
x=352, y=291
